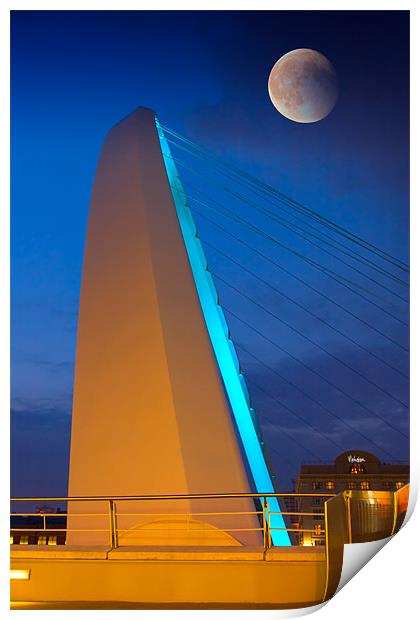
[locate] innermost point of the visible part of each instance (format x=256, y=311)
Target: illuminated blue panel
x=223, y=346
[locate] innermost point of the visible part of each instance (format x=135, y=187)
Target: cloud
x=40, y=443
x=46, y=407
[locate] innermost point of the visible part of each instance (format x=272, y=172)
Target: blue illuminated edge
x=223, y=347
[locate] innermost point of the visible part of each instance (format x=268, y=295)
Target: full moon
x=303, y=86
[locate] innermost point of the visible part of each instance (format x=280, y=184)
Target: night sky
x=75, y=74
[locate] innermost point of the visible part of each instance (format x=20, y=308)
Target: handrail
x=265, y=515
x=165, y=497
x=336, y=513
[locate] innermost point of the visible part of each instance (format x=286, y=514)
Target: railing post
x=113, y=535
x=349, y=528
x=44, y=520
x=395, y=515
x=114, y=514
x=111, y=529
x=264, y=523
x=267, y=517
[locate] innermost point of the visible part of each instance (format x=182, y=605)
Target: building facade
x=352, y=470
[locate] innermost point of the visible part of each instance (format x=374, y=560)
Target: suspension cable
x=194, y=148
x=295, y=276
x=315, y=372
x=308, y=339
x=304, y=308
x=345, y=282
x=314, y=400
x=291, y=226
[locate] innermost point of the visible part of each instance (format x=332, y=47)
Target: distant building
x=290, y=505
x=352, y=470
x=29, y=530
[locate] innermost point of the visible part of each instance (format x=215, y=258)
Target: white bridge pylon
x=156, y=378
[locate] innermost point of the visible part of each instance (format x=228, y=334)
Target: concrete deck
x=76, y=552
x=72, y=577
x=63, y=552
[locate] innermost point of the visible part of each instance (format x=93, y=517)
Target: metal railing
x=343, y=523
x=193, y=521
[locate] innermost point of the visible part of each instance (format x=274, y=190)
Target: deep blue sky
x=75, y=74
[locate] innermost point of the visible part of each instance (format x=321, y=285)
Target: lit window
x=364, y=485
x=357, y=468
x=316, y=485
x=42, y=540
x=52, y=540
x=308, y=543
x=317, y=529
x=352, y=484
x=11, y=540
x=399, y=485
x=329, y=485
x=24, y=540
